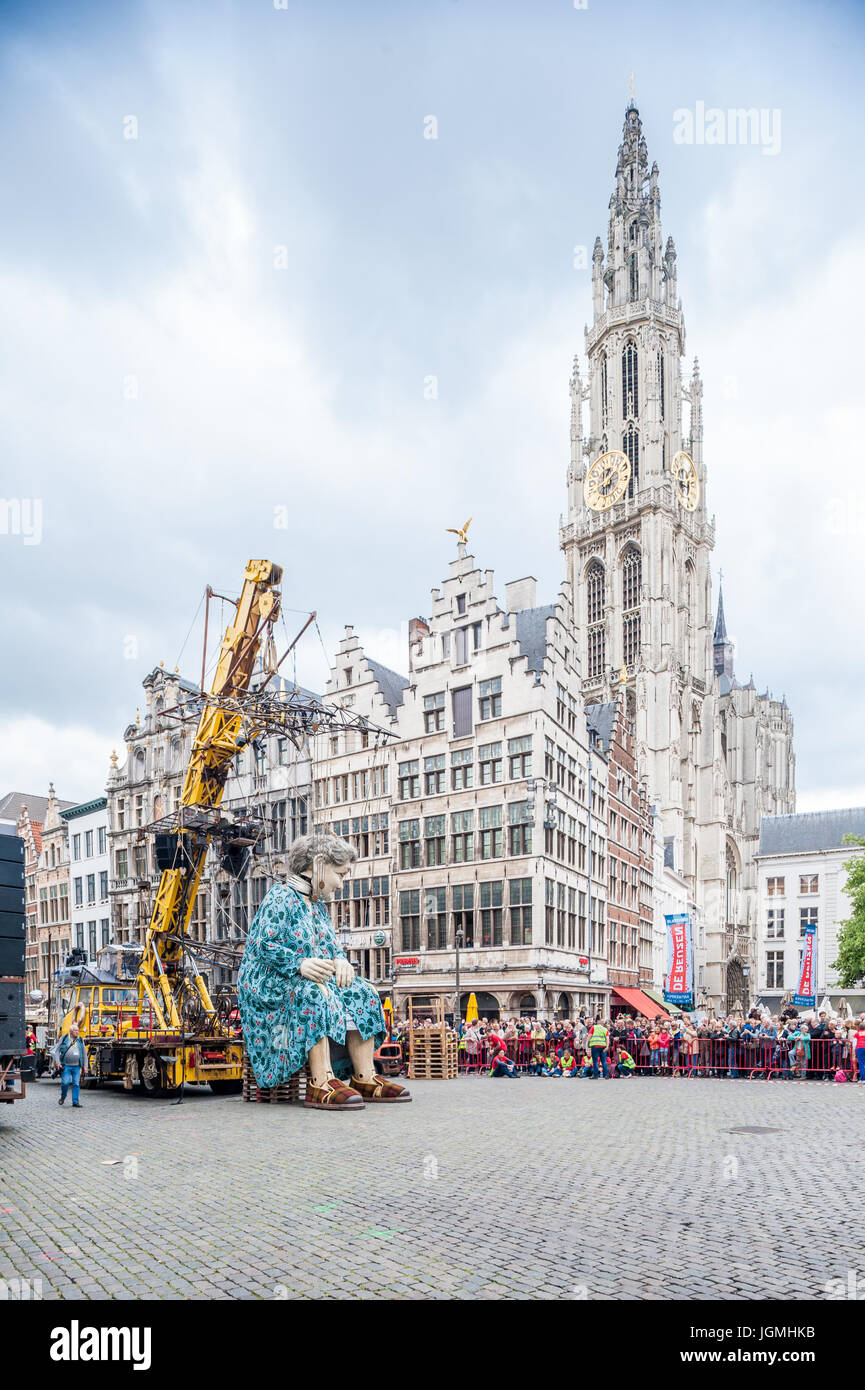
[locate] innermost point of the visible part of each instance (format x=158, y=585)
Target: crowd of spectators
x=789, y=1045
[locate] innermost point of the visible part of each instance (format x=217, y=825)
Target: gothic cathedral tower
x=639, y=562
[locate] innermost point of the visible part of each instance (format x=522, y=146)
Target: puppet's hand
x=343, y=972
x=318, y=970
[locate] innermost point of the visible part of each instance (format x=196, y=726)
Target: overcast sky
x=237, y=309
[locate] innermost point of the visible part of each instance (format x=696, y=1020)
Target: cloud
x=74, y=757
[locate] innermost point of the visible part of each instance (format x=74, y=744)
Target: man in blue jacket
x=72, y=1056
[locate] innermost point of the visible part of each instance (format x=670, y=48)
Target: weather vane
x=462, y=534
x=631, y=85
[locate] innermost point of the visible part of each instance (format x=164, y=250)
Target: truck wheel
x=150, y=1077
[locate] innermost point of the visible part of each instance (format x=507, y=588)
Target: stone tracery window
x=595, y=612
x=631, y=447
x=630, y=389
x=632, y=578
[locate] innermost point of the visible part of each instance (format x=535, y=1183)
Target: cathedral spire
x=722, y=646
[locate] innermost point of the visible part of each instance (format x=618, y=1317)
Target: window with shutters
x=462, y=711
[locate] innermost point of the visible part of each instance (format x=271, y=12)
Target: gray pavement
x=536, y=1189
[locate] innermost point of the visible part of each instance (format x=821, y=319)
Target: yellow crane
x=162, y=1028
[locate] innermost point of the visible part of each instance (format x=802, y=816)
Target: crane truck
x=160, y=1027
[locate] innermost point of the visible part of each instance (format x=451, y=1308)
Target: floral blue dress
x=283, y=1014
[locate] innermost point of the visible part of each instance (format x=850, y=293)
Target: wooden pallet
x=290, y=1092
x=432, y=1054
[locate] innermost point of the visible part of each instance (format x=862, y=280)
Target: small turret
x=722, y=647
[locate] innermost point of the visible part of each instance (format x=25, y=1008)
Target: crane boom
x=216, y=744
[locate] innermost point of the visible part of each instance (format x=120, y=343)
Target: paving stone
x=539, y=1192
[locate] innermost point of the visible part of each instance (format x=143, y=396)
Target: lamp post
x=458, y=941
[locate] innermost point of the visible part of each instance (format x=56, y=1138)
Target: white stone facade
x=801, y=880
x=89, y=875
x=486, y=794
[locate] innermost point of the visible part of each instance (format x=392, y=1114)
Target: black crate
x=11, y=955
x=12, y=1033
x=11, y=873
x=12, y=924
x=11, y=848
x=11, y=899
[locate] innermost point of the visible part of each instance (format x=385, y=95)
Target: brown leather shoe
x=380, y=1090
x=333, y=1096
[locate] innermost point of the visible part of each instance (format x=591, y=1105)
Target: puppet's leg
x=364, y=1076
x=319, y=1063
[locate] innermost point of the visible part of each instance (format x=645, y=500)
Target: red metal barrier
x=722, y=1057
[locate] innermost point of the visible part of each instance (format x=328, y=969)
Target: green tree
x=851, y=938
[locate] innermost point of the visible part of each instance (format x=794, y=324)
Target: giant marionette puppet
x=298, y=992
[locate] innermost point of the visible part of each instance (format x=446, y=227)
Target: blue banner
x=807, y=996
x=678, y=983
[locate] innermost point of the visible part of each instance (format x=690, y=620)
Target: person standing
x=599, y=1039
x=859, y=1044
x=72, y=1056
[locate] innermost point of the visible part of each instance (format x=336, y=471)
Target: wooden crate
x=433, y=1050
x=290, y=1092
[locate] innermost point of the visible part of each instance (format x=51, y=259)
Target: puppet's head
x=324, y=860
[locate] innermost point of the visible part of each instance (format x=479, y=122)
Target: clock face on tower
x=607, y=481
x=686, y=484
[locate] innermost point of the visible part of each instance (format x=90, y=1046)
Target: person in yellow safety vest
x=625, y=1064
x=599, y=1038
x=568, y=1064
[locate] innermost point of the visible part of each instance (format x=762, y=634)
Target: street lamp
x=458, y=941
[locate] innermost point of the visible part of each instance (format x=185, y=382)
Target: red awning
x=638, y=1002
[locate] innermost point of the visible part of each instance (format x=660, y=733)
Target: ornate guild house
x=638, y=540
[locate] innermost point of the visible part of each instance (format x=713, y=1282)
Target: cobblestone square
x=550, y=1189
